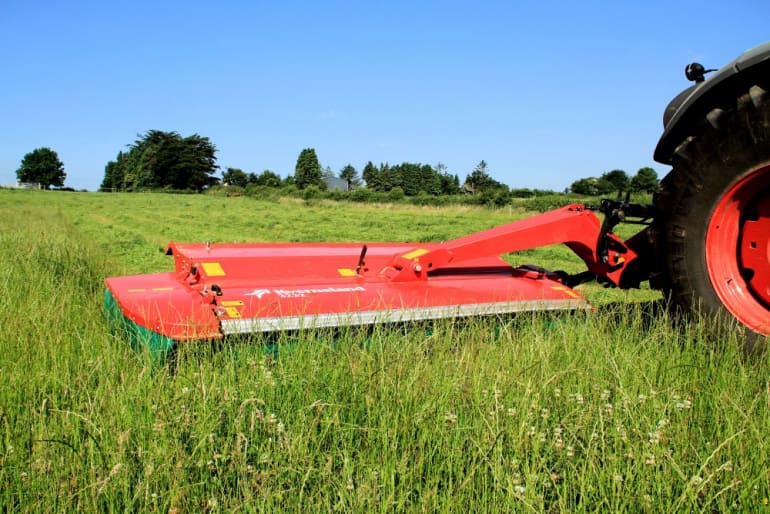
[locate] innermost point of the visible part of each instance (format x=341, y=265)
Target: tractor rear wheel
x=713, y=223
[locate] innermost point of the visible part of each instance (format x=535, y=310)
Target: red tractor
x=705, y=244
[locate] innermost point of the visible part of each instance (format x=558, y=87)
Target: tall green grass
x=619, y=410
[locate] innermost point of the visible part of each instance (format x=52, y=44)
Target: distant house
x=333, y=183
x=28, y=185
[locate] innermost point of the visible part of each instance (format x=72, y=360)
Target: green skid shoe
x=158, y=347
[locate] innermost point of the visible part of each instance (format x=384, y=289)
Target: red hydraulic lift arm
x=574, y=225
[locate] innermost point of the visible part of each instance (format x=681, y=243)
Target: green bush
x=312, y=192
x=361, y=195
x=270, y=194
x=553, y=201
x=396, y=194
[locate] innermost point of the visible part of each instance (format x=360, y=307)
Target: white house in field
x=22, y=185
x=28, y=185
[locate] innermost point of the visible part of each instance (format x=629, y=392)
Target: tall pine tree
x=349, y=175
x=308, y=170
x=372, y=177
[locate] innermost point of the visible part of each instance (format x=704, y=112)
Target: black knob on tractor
x=695, y=72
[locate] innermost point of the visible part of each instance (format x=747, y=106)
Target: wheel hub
x=754, y=251
x=738, y=249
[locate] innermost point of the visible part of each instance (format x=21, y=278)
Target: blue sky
x=544, y=92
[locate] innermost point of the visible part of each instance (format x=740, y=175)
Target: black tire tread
x=731, y=139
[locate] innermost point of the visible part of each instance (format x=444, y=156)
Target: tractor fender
x=695, y=102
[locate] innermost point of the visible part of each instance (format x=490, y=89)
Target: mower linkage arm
x=605, y=254
x=616, y=212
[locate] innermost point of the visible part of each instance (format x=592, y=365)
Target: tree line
x=166, y=160
x=645, y=181
x=159, y=160
x=410, y=178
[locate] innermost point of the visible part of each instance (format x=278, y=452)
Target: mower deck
x=217, y=290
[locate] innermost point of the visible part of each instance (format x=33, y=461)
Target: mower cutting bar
x=287, y=323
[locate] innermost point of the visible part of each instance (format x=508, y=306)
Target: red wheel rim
x=738, y=249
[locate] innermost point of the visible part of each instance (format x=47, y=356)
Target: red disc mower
x=705, y=244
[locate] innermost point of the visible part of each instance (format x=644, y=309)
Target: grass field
x=619, y=410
